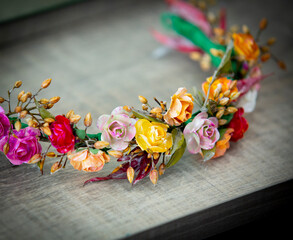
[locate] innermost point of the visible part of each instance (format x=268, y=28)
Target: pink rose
x=4, y=124
x=23, y=144
x=117, y=129
x=201, y=133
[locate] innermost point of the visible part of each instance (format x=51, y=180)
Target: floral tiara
x=148, y=141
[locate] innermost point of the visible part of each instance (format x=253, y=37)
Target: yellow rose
x=180, y=108
x=245, y=46
x=152, y=136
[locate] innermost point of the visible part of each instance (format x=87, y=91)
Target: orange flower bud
x=224, y=101
x=264, y=49
x=29, y=94
x=2, y=99
x=44, y=101
x=142, y=99
x=20, y=95
x=54, y=100
x=74, y=119
x=51, y=154
x=17, y=125
x=232, y=109
x=162, y=169
x=115, y=154
x=144, y=107
x=49, y=120
x=130, y=174
x=55, y=167
x=233, y=84
x=220, y=114
x=17, y=109
x=227, y=93
x=24, y=98
x=263, y=24
x=282, y=65
x=271, y=41
x=101, y=144
x=48, y=106
x=154, y=176
x=156, y=110
x=195, y=56
x=156, y=155
x=35, y=159
x=6, y=148
x=23, y=114
x=46, y=83
x=88, y=120
x=245, y=29
x=222, y=122
x=127, y=108
x=69, y=114
x=47, y=131
x=17, y=84
x=265, y=57
x=234, y=95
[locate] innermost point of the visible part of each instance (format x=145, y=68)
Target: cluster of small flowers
x=139, y=138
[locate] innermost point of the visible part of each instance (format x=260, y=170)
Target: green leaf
x=228, y=117
x=178, y=148
x=222, y=132
x=94, y=151
x=225, y=65
x=80, y=133
x=141, y=115
x=43, y=112
x=208, y=154
x=96, y=136
x=198, y=97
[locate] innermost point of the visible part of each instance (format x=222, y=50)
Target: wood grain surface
x=100, y=59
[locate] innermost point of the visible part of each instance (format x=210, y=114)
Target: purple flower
x=23, y=145
x=201, y=133
x=117, y=129
x=4, y=124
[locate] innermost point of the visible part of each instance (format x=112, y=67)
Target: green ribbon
x=195, y=35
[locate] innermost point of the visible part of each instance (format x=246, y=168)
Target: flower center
x=156, y=134
x=117, y=130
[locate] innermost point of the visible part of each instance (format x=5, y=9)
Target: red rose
x=62, y=137
x=239, y=124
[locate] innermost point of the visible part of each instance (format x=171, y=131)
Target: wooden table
x=99, y=56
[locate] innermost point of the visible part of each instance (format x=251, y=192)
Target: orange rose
x=219, y=88
x=223, y=144
x=87, y=161
x=180, y=109
x=245, y=46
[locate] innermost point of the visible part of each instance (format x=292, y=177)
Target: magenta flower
x=4, y=124
x=201, y=133
x=117, y=129
x=23, y=145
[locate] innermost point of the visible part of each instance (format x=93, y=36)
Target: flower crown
x=146, y=142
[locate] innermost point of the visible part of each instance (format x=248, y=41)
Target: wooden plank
x=102, y=61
